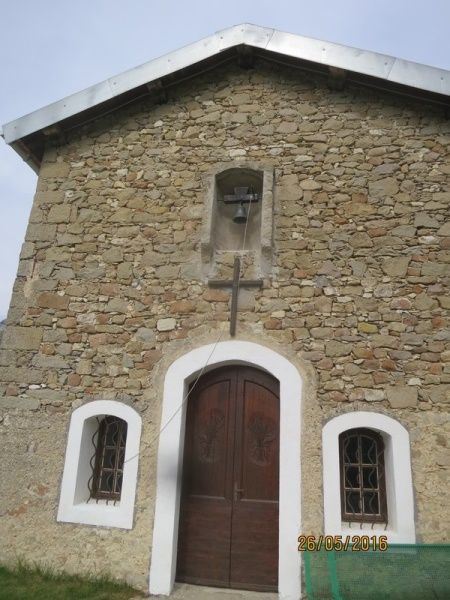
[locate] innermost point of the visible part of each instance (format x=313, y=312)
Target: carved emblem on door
x=263, y=433
x=209, y=431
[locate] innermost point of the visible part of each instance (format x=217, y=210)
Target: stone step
x=184, y=591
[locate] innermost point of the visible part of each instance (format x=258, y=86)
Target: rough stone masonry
x=109, y=289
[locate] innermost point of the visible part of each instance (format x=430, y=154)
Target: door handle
x=237, y=491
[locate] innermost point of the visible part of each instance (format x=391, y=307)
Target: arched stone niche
x=222, y=238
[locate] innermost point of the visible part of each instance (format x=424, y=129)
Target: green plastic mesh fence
x=402, y=572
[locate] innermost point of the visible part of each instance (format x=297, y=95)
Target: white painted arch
x=74, y=505
x=399, y=489
x=170, y=458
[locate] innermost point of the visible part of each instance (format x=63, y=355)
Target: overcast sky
x=49, y=49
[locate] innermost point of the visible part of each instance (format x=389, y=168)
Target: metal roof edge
x=423, y=77
x=118, y=84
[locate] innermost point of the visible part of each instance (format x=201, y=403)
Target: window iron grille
x=363, y=478
x=109, y=441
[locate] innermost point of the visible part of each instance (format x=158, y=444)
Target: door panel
x=228, y=533
x=259, y=458
x=204, y=532
x=254, y=556
x=254, y=542
x=207, y=450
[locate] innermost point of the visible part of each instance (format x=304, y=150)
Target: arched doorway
x=228, y=529
x=178, y=377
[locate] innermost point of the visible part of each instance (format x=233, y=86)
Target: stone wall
x=109, y=289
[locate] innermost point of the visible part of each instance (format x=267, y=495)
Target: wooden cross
x=235, y=284
x=242, y=194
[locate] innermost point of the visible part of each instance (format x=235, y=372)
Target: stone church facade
x=112, y=312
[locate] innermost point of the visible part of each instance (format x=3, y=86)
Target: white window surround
x=399, y=489
x=73, y=504
x=170, y=459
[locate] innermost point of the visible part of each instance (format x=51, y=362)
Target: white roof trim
x=296, y=46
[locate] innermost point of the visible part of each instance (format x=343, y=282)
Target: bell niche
x=238, y=221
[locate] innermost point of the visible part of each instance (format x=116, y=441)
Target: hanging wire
x=185, y=399
x=243, y=242
x=191, y=388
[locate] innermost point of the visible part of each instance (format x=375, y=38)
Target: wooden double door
x=228, y=530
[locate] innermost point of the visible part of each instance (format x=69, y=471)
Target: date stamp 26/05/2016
x=339, y=543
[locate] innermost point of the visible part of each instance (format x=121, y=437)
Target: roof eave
x=362, y=62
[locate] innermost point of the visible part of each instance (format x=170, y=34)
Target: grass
x=24, y=582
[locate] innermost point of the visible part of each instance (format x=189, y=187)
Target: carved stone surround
x=257, y=255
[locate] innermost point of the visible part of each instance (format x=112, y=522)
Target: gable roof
x=27, y=134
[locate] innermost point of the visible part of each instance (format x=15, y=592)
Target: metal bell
x=240, y=216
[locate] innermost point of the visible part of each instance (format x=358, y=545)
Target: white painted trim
x=399, y=488
x=170, y=459
x=73, y=505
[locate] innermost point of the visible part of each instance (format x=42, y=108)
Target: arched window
x=363, y=477
x=367, y=480
x=101, y=465
x=109, y=444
